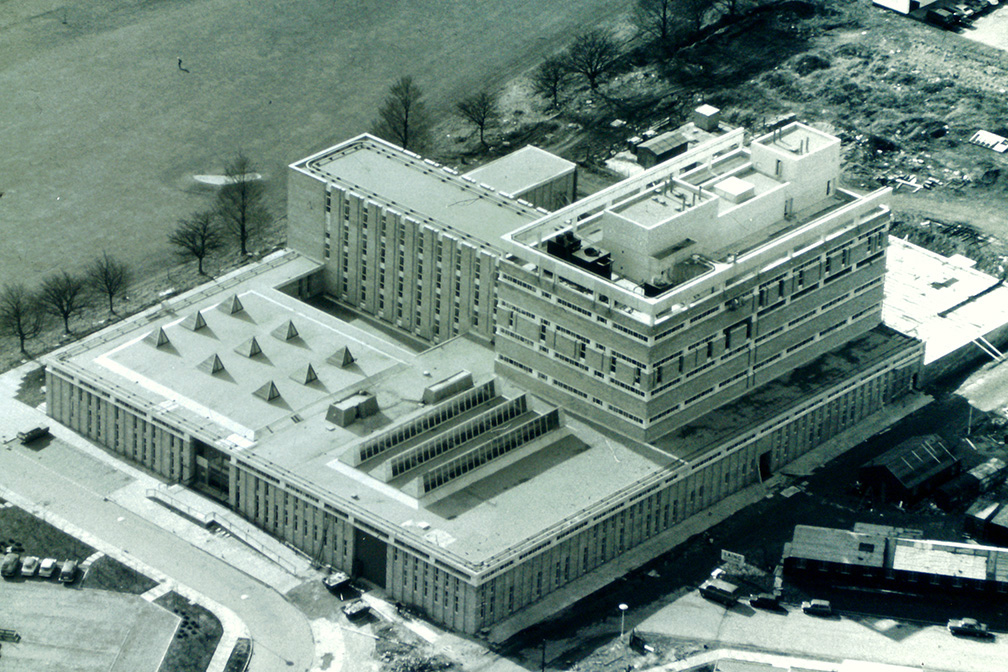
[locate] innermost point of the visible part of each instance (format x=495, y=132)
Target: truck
x=719, y=590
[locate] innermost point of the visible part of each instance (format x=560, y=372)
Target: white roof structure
x=940, y=300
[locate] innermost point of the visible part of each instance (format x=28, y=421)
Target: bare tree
x=64, y=295
x=197, y=237
x=480, y=109
x=657, y=18
x=240, y=201
x=549, y=78
x=403, y=117
x=729, y=7
x=109, y=276
x=694, y=12
x=592, y=54
x=21, y=316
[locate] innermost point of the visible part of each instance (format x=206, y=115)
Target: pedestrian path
x=707, y=659
x=233, y=626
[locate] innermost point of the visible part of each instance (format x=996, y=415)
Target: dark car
x=11, y=565
x=68, y=572
x=817, y=608
x=765, y=601
x=968, y=627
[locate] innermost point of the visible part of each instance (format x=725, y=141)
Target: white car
x=29, y=566
x=47, y=568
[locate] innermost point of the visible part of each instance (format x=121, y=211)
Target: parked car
x=766, y=601
x=817, y=607
x=29, y=565
x=336, y=581
x=719, y=590
x=969, y=627
x=69, y=572
x=47, y=568
x=10, y=565
x=356, y=609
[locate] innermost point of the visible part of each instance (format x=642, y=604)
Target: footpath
x=273, y=564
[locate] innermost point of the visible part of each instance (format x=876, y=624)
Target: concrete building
x=401, y=238
x=679, y=290
x=884, y=559
x=728, y=338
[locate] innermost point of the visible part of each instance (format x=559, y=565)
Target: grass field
x=82, y=630
x=101, y=130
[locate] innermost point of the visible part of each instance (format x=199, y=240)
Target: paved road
x=283, y=639
x=880, y=640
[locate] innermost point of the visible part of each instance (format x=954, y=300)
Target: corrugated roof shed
x=916, y=460
x=665, y=142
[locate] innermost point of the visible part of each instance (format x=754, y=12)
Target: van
x=719, y=590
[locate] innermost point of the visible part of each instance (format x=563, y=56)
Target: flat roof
x=522, y=170
x=792, y=137
x=940, y=300
x=290, y=436
x=691, y=441
x=491, y=514
x=840, y=546
x=404, y=182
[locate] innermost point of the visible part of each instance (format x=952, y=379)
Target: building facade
x=454, y=478
x=677, y=294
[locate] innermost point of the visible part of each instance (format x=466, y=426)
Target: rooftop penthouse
x=686, y=228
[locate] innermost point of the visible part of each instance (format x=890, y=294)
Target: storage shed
x=909, y=471
x=661, y=148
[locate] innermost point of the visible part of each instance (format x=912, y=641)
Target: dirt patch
x=195, y=639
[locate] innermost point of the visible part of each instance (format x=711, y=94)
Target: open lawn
x=102, y=130
x=82, y=630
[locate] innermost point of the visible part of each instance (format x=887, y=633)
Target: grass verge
x=196, y=638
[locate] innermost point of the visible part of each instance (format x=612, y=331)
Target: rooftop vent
x=286, y=332
x=194, y=322
x=249, y=348
x=305, y=375
x=443, y=389
x=211, y=364
x=341, y=358
x=269, y=391
x=233, y=306
x=157, y=338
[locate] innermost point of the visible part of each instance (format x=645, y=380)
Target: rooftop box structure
x=707, y=117
x=531, y=174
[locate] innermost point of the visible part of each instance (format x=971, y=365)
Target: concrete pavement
x=75, y=488
x=864, y=638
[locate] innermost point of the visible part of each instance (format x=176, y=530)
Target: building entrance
x=369, y=558
x=764, y=466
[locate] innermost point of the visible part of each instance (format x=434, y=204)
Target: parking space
x=81, y=630
x=839, y=637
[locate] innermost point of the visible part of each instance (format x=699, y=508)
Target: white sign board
x=728, y=556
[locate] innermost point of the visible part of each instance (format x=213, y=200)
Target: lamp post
x=622, y=615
